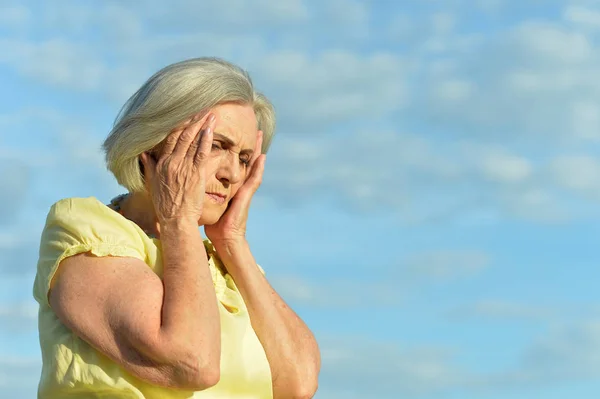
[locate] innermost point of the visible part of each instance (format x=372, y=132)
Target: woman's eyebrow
x=229, y=143
x=224, y=139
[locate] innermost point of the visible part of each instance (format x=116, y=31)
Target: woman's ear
x=152, y=155
x=141, y=165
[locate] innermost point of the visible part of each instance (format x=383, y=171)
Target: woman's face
x=234, y=141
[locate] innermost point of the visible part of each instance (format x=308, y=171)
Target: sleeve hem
x=99, y=250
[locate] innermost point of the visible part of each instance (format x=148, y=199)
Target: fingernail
x=211, y=118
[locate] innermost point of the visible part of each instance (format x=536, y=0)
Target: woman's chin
x=210, y=216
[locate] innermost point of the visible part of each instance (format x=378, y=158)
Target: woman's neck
x=138, y=208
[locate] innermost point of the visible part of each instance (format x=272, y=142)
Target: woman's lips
x=218, y=198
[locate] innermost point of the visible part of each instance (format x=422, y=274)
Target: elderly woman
x=133, y=302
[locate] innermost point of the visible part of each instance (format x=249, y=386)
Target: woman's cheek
x=234, y=190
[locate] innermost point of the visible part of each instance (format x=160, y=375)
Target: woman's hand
x=232, y=224
x=176, y=181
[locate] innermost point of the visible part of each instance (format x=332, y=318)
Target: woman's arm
x=164, y=332
x=290, y=346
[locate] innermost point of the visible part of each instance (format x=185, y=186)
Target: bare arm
x=290, y=346
x=164, y=332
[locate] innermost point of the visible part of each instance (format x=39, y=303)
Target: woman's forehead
x=237, y=123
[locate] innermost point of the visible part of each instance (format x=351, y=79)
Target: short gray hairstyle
x=168, y=98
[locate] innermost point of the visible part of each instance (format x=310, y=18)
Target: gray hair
x=168, y=98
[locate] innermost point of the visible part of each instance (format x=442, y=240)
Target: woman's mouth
x=216, y=197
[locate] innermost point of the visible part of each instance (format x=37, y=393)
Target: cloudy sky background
x=431, y=200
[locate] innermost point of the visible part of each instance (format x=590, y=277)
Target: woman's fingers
x=257, y=152
x=256, y=173
x=258, y=146
x=187, y=138
x=173, y=137
x=243, y=197
x=191, y=151
x=171, y=142
x=205, y=143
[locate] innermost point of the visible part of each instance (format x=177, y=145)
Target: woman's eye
x=245, y=161
x=216, y=145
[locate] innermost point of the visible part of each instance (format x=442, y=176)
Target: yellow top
x=72, y=368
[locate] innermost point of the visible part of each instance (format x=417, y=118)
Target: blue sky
x=430, y=203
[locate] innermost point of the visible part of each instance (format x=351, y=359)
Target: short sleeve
x=80, y=225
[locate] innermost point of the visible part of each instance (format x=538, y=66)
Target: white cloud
x=350, y=16
x=444, y=265
x=552, y=42
x=125, y=20
x=10, y=240
x=337, y=293
x=536, y=79
x=364, y=170
x=226, y=16
x=19, y=255
x=539, y=205
x=332, y=85
x=506, y=168
x=583, y=16
x=75, y=143
x=580, y=173
x=585, y=118
x=64, y=158
x=378, y=369
x=385, y=369
x=502, y=310
x=55, y=62
x=335, y=85
x=414, y=178
x=70, y=18
x=14, y=17
x=401, y=27
x=19, y=316
x=19, y=376
x=79, y=42
x=15, y=181
x=443, y=23
x=454, y=90
x=565, y=353
x=490, y=6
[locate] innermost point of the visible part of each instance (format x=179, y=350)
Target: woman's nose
x=229, y=169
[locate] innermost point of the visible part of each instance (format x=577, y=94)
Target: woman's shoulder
x=87, y=213
x=81, y=208
x=78, y=204
x=85, y=222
